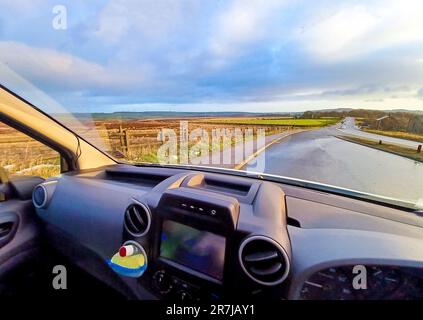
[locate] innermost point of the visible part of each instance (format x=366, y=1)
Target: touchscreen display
x=199, y=250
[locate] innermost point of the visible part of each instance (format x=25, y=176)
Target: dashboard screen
x=199, y=250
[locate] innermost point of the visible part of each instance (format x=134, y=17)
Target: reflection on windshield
x=220, y=87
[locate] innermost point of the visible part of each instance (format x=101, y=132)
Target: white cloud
x=364, y=28
x=154, y=20
x=240, y=25
x=48, y=63
x=334, y=37
x=62, y=70
x=113, y=23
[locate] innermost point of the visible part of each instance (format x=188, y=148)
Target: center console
x=206, y=239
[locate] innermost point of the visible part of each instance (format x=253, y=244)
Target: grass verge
x=279, y=122
x=398, y=134
x=394, y=149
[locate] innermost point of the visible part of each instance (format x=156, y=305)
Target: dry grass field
x=276, y=121
x=139, y=140
x=134, y=140
x=21, y=155
x=142, y=135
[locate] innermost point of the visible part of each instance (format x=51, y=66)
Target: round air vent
x=39, y=196
x=42, y=194
x=137, y=219
x=264, y=260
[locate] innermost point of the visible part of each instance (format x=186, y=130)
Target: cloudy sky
x=198, y=55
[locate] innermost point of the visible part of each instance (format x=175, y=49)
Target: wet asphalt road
x=321, y=157
x=349, y=128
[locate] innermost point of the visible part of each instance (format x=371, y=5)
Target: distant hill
x=420, y=112
x=127, y=115
x=345, y=110
x=333, y=110
x=167, y=114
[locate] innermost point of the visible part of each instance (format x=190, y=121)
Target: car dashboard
x=201, y=236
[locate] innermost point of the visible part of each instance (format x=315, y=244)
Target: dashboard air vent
x=264, y=260
x=42, y=194
x=137, y=219
x=39, y=196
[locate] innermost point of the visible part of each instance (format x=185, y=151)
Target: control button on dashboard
x=213, y=212
x=162, y=282
x=183, y=295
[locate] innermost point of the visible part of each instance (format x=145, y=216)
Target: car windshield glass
x=323, y=91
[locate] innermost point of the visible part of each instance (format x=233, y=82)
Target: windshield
x=320, y=91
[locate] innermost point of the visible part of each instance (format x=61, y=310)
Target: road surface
x=350, y=128
x=234, y=156
x=321, y=157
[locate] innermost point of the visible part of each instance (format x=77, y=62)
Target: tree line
x=392, y=121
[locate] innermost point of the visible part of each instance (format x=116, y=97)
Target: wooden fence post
x=126, y=133
x=121, y=139
x=124, y=140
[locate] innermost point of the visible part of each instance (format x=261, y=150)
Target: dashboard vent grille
x=264, y=260
x=137, y=219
